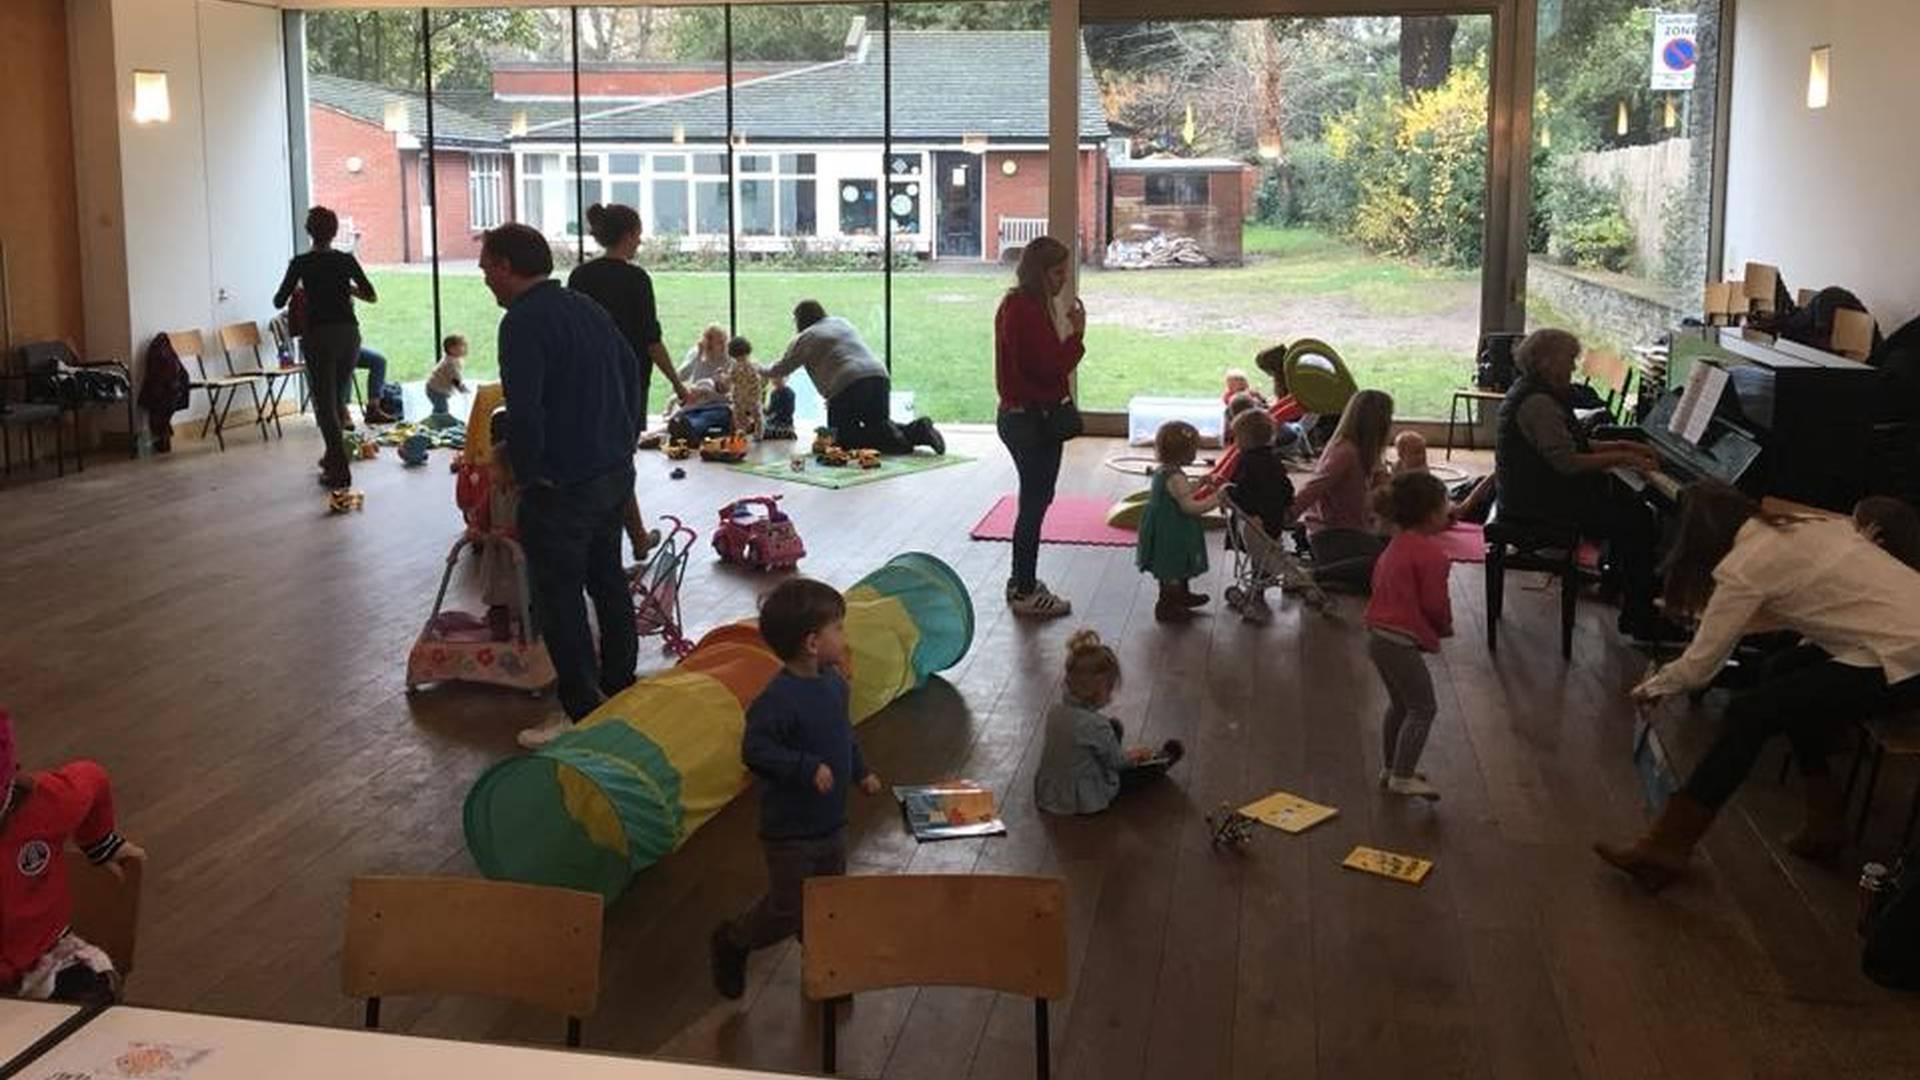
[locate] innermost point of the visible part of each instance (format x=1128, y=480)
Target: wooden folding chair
x=106, y=908
x=1611, y=376
x=235, y=337
x=997, y=933
x=530, y=944
x=221, y=391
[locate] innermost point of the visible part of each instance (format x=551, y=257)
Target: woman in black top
x=626, y=292
x=330, y=343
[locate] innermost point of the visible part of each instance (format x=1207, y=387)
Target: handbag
x=1030, y=426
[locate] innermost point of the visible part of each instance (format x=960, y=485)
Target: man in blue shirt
x=561, y=368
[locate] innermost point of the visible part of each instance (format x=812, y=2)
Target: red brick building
x=966, y=177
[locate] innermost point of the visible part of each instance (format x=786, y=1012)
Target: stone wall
x=1607, y=310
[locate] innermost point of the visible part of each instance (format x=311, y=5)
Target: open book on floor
x=948, y=810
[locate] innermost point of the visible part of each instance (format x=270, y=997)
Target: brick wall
x=370, y=197
x=1215, y=225
x=458, y=239
x=1024, y=194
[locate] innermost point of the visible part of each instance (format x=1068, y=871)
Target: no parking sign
x=1676, y=51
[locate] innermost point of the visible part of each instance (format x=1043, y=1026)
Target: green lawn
x=1150, y=332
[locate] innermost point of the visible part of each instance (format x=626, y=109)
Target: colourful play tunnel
x=636, y=778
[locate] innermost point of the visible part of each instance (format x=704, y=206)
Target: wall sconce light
x=1670, y=117
x=973, y=142
x=394, y=118
x=1819, y=68
x=1009, y=167
x=151, y=105
x=1620, y=119
x=355, y=165
x=679, y=134
x=518, y=128
x=739, y=140
x=1546, y=137
x=1269, y=146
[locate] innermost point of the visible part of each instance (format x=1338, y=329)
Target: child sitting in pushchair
x=1260, y=510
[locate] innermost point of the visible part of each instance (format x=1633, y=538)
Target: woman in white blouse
x=1744, y=571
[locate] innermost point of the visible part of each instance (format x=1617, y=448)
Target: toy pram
x=755, y=532
x=1259, y=563
x=656, y=588
x=456, y=646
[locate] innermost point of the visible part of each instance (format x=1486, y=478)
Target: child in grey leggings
x=1407, y=616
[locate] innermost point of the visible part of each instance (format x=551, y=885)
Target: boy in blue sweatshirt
x=799, y=742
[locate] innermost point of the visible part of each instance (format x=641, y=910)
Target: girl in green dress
x=1172, y=545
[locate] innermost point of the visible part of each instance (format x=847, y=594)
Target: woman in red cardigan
x=1035, y=349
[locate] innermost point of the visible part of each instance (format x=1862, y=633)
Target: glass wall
x=1622, y=166
x=1274, y=180
x=1243, y=183
x=809, y=146
x=367, y=159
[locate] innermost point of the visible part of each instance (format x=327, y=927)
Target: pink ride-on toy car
x=756, y=533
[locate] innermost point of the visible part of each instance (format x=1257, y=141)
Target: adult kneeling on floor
x=853, y=382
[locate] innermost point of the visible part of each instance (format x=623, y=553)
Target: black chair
x=17, y=412
x=1522, y=544
x=49, y=367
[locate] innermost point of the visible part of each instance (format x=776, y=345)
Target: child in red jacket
x=40, y=956
x=1407, y=615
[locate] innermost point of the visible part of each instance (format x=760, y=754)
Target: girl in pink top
x=1407, y=616
x=1334, y=504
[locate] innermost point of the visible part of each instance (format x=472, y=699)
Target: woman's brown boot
x=1824, y=833
x=1191, y=598
x=1661, y=855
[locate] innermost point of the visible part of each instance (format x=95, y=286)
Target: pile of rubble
x=1159, y=250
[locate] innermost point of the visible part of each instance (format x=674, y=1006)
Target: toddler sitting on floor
x=1082, y=768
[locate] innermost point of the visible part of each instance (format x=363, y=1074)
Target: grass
x=943, y=328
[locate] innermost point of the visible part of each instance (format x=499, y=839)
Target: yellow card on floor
x=1288, y=812
x=1408, y=868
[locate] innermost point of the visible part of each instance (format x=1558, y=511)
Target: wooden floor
x=235, y=656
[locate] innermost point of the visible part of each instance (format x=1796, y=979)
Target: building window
x=904, y=175
x=485, y=195
x=710, y=194
x=669, y=195
x=859, y=207
x=541, y=192
x=1176, y=189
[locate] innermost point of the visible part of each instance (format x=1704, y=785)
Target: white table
x=254, y=1049
x=23, y=1022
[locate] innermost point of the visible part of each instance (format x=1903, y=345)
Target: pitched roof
x=945, y=84
x=368, y=101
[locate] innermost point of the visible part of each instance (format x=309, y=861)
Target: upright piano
x=1791, y=422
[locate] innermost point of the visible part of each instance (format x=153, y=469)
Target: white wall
x=154, y=214
x=1831, y=196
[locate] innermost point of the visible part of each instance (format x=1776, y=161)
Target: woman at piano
x=1857, y=607
x=1547, y=470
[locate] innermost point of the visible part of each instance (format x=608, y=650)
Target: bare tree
x=1426, y=51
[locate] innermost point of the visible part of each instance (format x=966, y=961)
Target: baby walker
x=457, y=646
x=656, y=588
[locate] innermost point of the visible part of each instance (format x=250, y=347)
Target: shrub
x=1407, y=175
x=1588, y=225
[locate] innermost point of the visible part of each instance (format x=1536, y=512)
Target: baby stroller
x=456, y=646
x=656, y=588
x=1261, y=562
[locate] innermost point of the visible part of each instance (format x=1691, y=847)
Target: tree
x=384, y=47
x=1426, y=51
